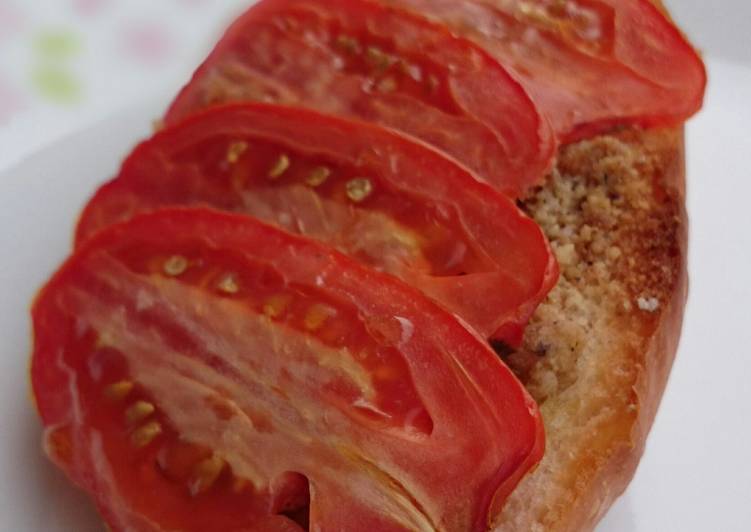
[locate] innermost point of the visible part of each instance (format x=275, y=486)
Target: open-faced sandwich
x=389, y=265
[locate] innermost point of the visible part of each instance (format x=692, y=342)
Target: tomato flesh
x=590, y=65
x=359, y=59
x=196, y=369
x=144, y=454
x=413, y=213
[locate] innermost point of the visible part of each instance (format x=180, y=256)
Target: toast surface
x=598, y=351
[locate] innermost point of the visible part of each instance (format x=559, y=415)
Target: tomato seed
x=348, y=44
x=387, y=85
x=175, y=265
x=118, y=391
x=318, y=176
x=235, y=150
x=359, y=189
x=280, y=166
x=177, y=460
x=413, y=71
x=145, y=434
x=139, y=411
x=317, y=316
x=222, y=408
x=57, y=443
x=380, y=59
x=536, y=14
x=228, y=284
x=275, y=305
x=205, y=474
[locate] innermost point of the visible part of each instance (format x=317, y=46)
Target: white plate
x=695, y=476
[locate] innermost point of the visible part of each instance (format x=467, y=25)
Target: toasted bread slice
x=597, y=353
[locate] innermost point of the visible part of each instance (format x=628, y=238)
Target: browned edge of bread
x=598, y=352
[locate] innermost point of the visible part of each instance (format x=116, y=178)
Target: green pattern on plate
x=56, y=84
x=57, y=44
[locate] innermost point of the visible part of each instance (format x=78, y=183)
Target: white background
x=696, y=474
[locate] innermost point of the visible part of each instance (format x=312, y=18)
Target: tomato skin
x=485, y=428
x=496, y=294
x=637, y=70
x=473, y=110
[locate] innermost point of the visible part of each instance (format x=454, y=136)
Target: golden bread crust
x=598, y=352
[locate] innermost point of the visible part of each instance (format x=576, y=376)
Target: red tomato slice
x=359, y=59
x=195, y=370
x=395, y=205
x=590, y=65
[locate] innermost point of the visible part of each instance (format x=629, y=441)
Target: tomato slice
x=359, y=59
x=198, y=370
x=395, y=205
x=590, y=65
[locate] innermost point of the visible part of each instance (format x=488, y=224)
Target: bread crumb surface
x=650, y=304
x=615, y=237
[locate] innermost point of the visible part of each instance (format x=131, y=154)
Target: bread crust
x=653, y=360
x=607, y=471
x=603, y=466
